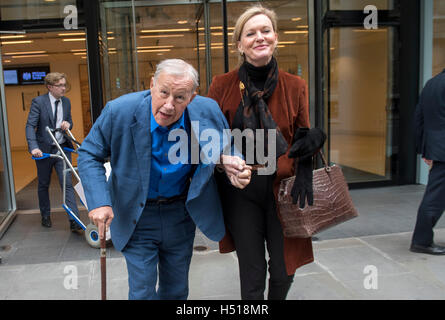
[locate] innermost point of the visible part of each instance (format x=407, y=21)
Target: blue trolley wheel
x=92, y=236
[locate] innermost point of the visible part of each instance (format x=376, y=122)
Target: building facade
x=365, y=62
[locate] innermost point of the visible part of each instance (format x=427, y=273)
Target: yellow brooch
x=241, y=88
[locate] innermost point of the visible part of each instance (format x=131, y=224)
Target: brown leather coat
x=289, y=107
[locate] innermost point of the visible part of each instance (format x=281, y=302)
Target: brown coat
x=289, y=107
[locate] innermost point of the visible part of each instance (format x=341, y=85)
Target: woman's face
x=258, y=40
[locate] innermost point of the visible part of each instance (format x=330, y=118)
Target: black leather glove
x=302, y=188
x=306, y=143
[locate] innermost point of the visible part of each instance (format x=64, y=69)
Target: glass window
x=167, y=29
x=360, y=4
x=33, y=9
x=439, y=36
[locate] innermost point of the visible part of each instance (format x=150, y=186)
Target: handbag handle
x=325, y=164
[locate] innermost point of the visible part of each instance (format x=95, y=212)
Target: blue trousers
x=162, y=242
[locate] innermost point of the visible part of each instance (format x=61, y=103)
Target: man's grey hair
x=177, y=67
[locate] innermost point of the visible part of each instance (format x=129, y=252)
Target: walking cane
x=103, y=264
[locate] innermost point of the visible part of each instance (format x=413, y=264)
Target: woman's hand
x=236, y=170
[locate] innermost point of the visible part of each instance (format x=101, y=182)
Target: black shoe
x=74, y=227
x=46, y=222
x=431, y=249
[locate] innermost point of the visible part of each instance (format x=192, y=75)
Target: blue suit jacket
x=40, y=116
x=122, y=132
x=430, y=119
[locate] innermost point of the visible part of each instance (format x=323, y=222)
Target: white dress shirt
x=59, y=137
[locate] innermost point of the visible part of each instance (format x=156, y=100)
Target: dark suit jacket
x=430, y=119
x=289, y=108
x=40, y=116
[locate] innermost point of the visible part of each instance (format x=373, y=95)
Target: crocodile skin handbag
x=332, y=204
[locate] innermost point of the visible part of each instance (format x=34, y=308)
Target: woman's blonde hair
x=246, y=16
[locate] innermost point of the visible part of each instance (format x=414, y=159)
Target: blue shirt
x=167, y=179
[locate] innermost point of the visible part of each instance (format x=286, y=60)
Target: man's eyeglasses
x=59, y=85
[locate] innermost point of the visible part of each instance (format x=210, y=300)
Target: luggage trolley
x=90, y=231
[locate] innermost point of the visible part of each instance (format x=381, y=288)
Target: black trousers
x=431, y=207
x=251, y=219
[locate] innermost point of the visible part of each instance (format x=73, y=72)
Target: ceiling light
x=287, y=42
x=74, y=39
x=213, y=44
x=182, y=21
x=17, y=42
x=155, y=50
x=163, y=36
x=220, y=33
x=30, y=56
x=165, y=30
x=12, y=37
x=155, y=47
x=296, y=19
x=213, y=47
x=295, y=32
x=22, y=52
x=71, y=34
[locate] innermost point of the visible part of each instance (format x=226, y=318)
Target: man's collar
x=52, y=98
x=178, y=124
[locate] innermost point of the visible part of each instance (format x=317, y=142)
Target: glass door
x=360, y=101
x=359, y=90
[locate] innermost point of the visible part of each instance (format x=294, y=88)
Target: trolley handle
x=69, y=149
x=44, y=156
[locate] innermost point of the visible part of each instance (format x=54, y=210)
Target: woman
x=258, y=95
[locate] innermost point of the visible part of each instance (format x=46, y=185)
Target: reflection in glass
x=359, y=102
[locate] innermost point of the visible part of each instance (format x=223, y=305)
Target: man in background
x=430, y=142
x=53, y=110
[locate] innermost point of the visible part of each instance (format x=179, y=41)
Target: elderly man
x=154, y=203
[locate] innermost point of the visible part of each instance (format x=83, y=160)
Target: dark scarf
x=253, y=112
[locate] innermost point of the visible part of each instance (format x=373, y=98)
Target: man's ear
x=152, y=83
x=193, y=96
